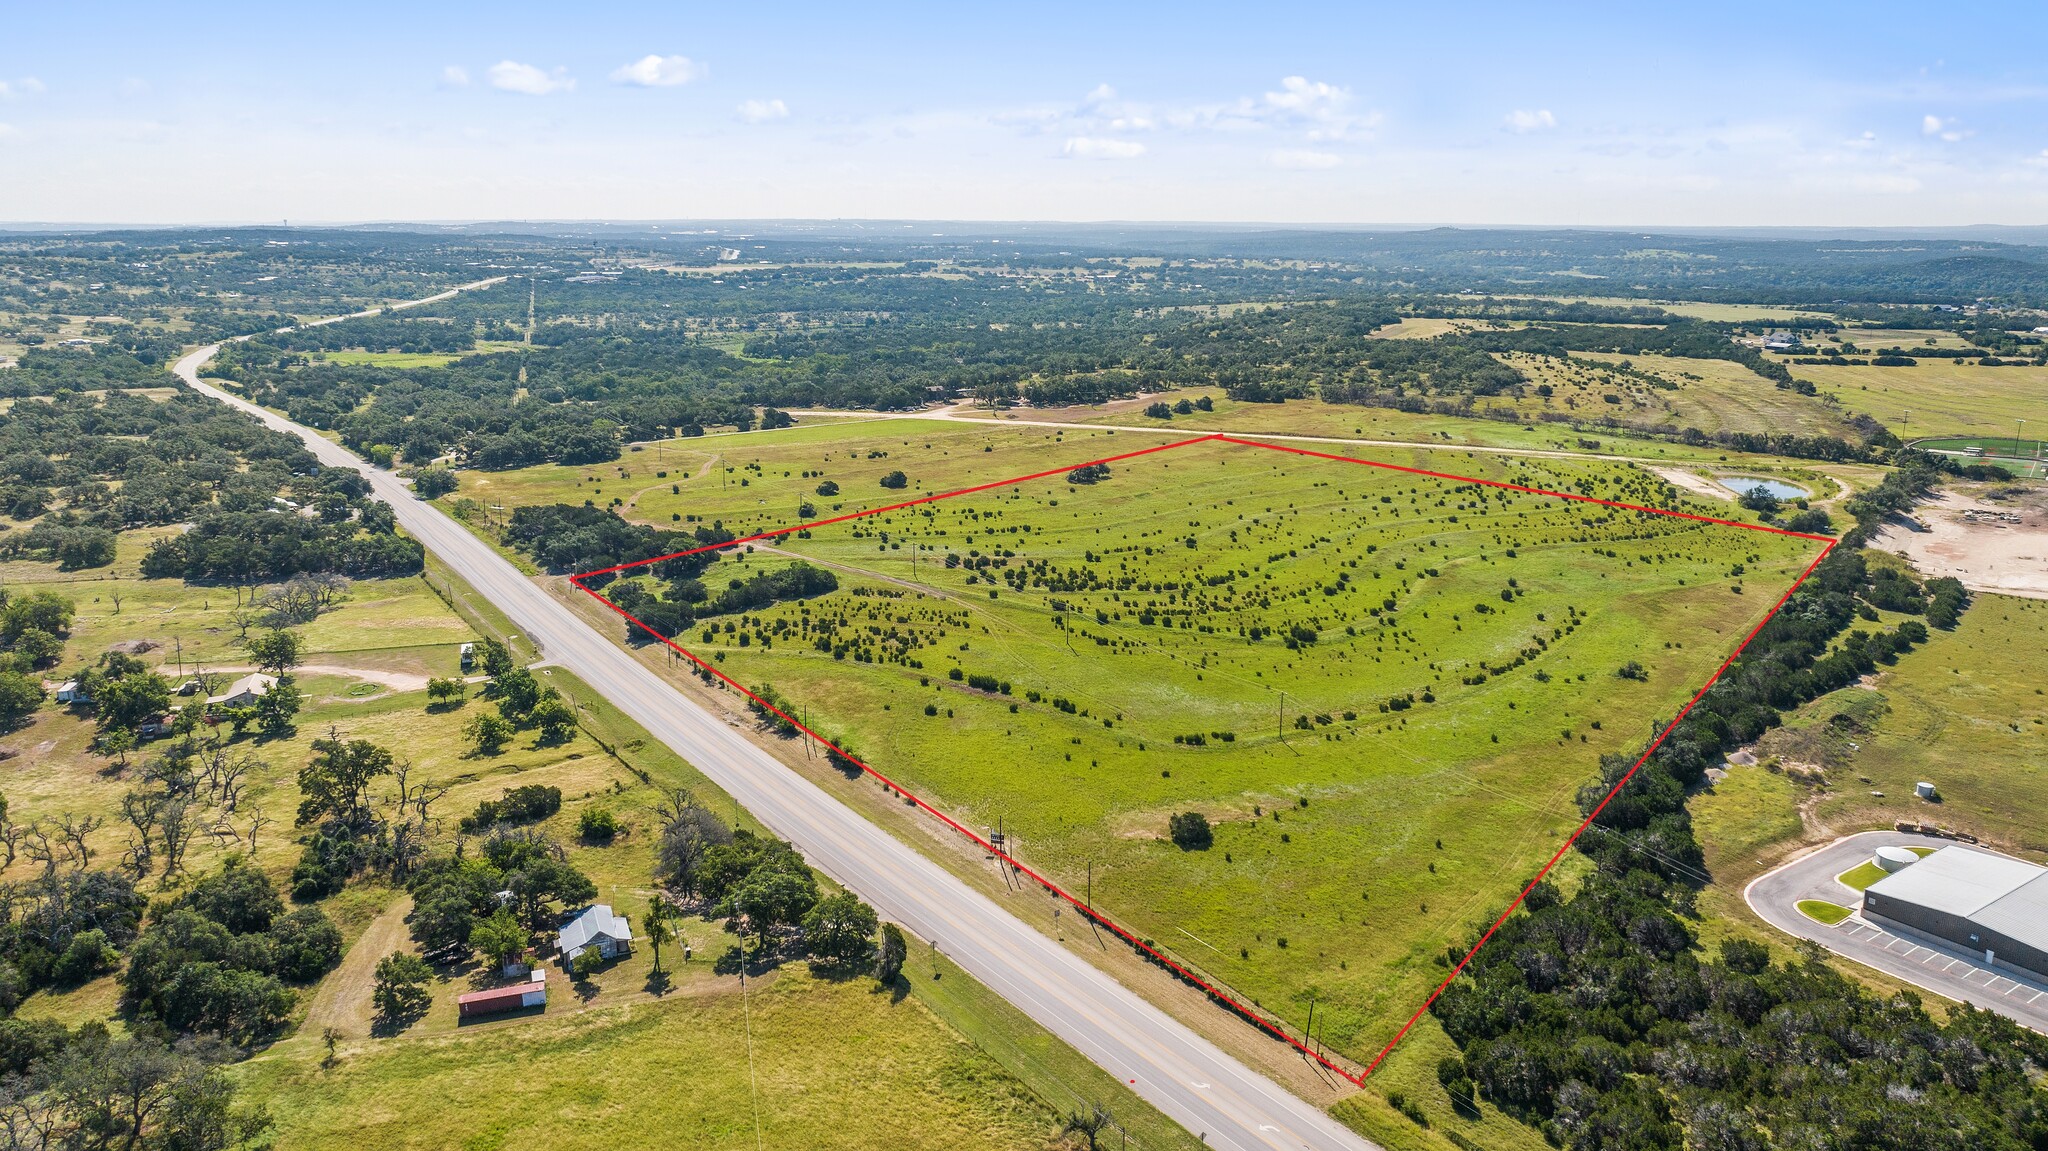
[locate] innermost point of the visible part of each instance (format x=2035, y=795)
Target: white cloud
x=1932, y=125
x=1525, y=120
x=26, y=86
x=512, y=76
x=659, y=71
x=1309, y=98
x=1101, y=148
x=454, y=76
x=1099, y=123
x=1304, y=159
x=8, y=131
x=1320, y=106
x=760, y=111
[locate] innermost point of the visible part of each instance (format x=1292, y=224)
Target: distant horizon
x=714, y=224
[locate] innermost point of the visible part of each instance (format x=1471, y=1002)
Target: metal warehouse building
x=1991, y=904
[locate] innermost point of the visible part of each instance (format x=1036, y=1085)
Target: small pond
x=1742, y=485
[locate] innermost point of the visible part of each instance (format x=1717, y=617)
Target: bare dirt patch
x=1693, y=482
x=1957, y=535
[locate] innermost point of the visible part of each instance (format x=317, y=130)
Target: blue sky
x=1638, y=114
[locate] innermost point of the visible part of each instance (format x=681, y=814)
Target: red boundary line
x=1211, y=990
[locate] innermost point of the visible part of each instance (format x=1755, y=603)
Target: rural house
x=245, y=691
x=598, y=927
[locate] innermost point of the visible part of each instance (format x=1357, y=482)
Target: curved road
x=1942, y=968
x=1185, y=1076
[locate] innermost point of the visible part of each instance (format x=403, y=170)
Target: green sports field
x=1382, y=689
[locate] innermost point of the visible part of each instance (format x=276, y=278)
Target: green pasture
x=1345, y=421
x=1356, y=836
x=1719, y=313
x=1711, y=395
x=1943, y=397
x=1966, y=712
x=2025, y=458
x=398, y=361
x=396, y=625
x=798, y=1062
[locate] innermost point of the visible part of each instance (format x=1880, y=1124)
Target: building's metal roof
x=1958, y=881
x=2021, y=914
x=595, y=921
x=513, y=992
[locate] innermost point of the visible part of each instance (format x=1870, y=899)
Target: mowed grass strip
x=1821, y=911
x=1861, y=876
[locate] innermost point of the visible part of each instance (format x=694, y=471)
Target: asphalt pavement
x=1943, y=968
x=1182, y=1074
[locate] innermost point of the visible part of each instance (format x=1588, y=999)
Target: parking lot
x=1943, y=969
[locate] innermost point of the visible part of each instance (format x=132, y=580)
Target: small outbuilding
x=596, y=926
x=498, y=1000
x=70, y=692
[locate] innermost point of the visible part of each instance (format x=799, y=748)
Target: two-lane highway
x=1184, y=1075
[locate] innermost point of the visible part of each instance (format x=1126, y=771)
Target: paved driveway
x=1947, y=970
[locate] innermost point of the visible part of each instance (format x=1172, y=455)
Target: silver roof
x=2021, y=914
x=1958, y=881
x=595, y=920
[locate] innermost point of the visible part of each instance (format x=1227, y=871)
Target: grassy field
x=1357, y=833
x=1719, y=313
x=1711, y=395
x=1344, y=421
x=1944, y=397
x=799, y=1062
x=395, y=625
x=2024, y=458
x=1965, y=713
x=405, y=360
x=1425, y=327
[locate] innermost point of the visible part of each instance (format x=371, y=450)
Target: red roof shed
x=502, y=999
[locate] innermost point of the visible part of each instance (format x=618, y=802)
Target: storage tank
x=1894, y=858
